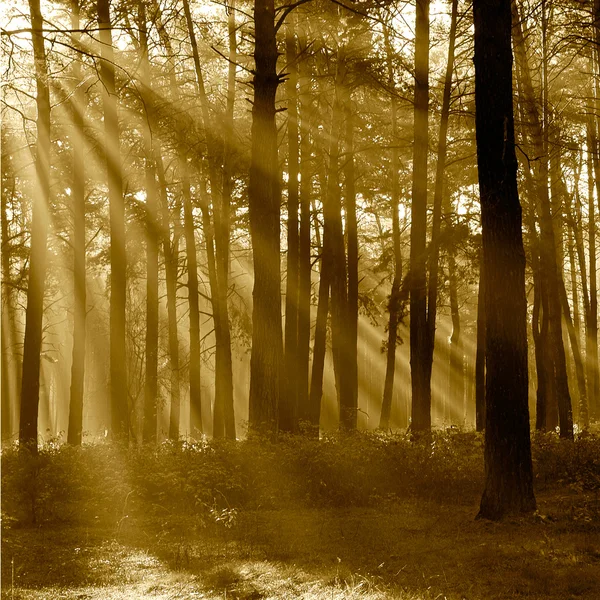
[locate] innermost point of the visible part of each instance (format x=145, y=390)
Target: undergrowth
x=209, y=482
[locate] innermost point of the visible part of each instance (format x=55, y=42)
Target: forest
x=300, y=299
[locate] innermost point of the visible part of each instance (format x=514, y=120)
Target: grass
x=366, y=517
x=408, y=550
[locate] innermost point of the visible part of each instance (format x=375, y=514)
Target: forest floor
x=406, y=549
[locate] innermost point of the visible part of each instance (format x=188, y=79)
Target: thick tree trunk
x=118, y=255
x=508, y=468
x=419, y=343
x=266, y=362
x=288, y=408
x=152, y=242
x=75, y=429
x=30, y=385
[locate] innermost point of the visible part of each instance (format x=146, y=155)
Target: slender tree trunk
x=480, y=351
x=579, y=368
x=288, y=408
x=171, y=253
x=152, y=243
x=593, y=168
x=196, y=428
x=118, y=255
x=223, y=360
x=30, y=385
x=419, y=346
x=546, y=414
x=349, y=412
x=332, y=219
x=78, y=197
x=170, y=249
x=508, y=467
x=320, y=343
x=434, y=254
x=266, y=363
x=323, y=305
x=215, y=150
x=550, y=271
x=8, y=377
x=304, y=266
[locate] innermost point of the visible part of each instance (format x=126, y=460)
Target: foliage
x=211, y=481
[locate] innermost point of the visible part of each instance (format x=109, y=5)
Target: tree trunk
x=32, y=349
x=592, y=322
x=434, y=253
x=549, y=267
x=480, y=352
x=196, y=428
x=332, y=219
x=508, y=467
x=304, y=266
x=9, y=393
x=170, y=250
x=75, y=429
x=288, y=408
x=394, y=302
x=223, y=361
x=419, y=346
x=264, y=194
x=152, y=242
x=349, y=411
x=579, y=368
x=118, y=255
x=546, y=415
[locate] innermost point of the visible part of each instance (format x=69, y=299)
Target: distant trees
x=321, y=193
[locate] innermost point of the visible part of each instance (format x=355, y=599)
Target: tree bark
x=171, y=254
x=394, y=301
x=264, y=194
x=549, y=268
x=196, y=428
x=480, y=352
x=32, y=349
x=304, y=265
x=508, y=467
x=419, y=346
x=170, y=250
x=288, y=408
x=223, y=360
x=75, y=429
x=118, y=255
x=349, y=410
x=152, y=243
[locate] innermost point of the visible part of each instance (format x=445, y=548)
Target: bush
x=210, y=481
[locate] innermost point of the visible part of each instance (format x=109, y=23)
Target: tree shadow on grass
x=406, y=550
